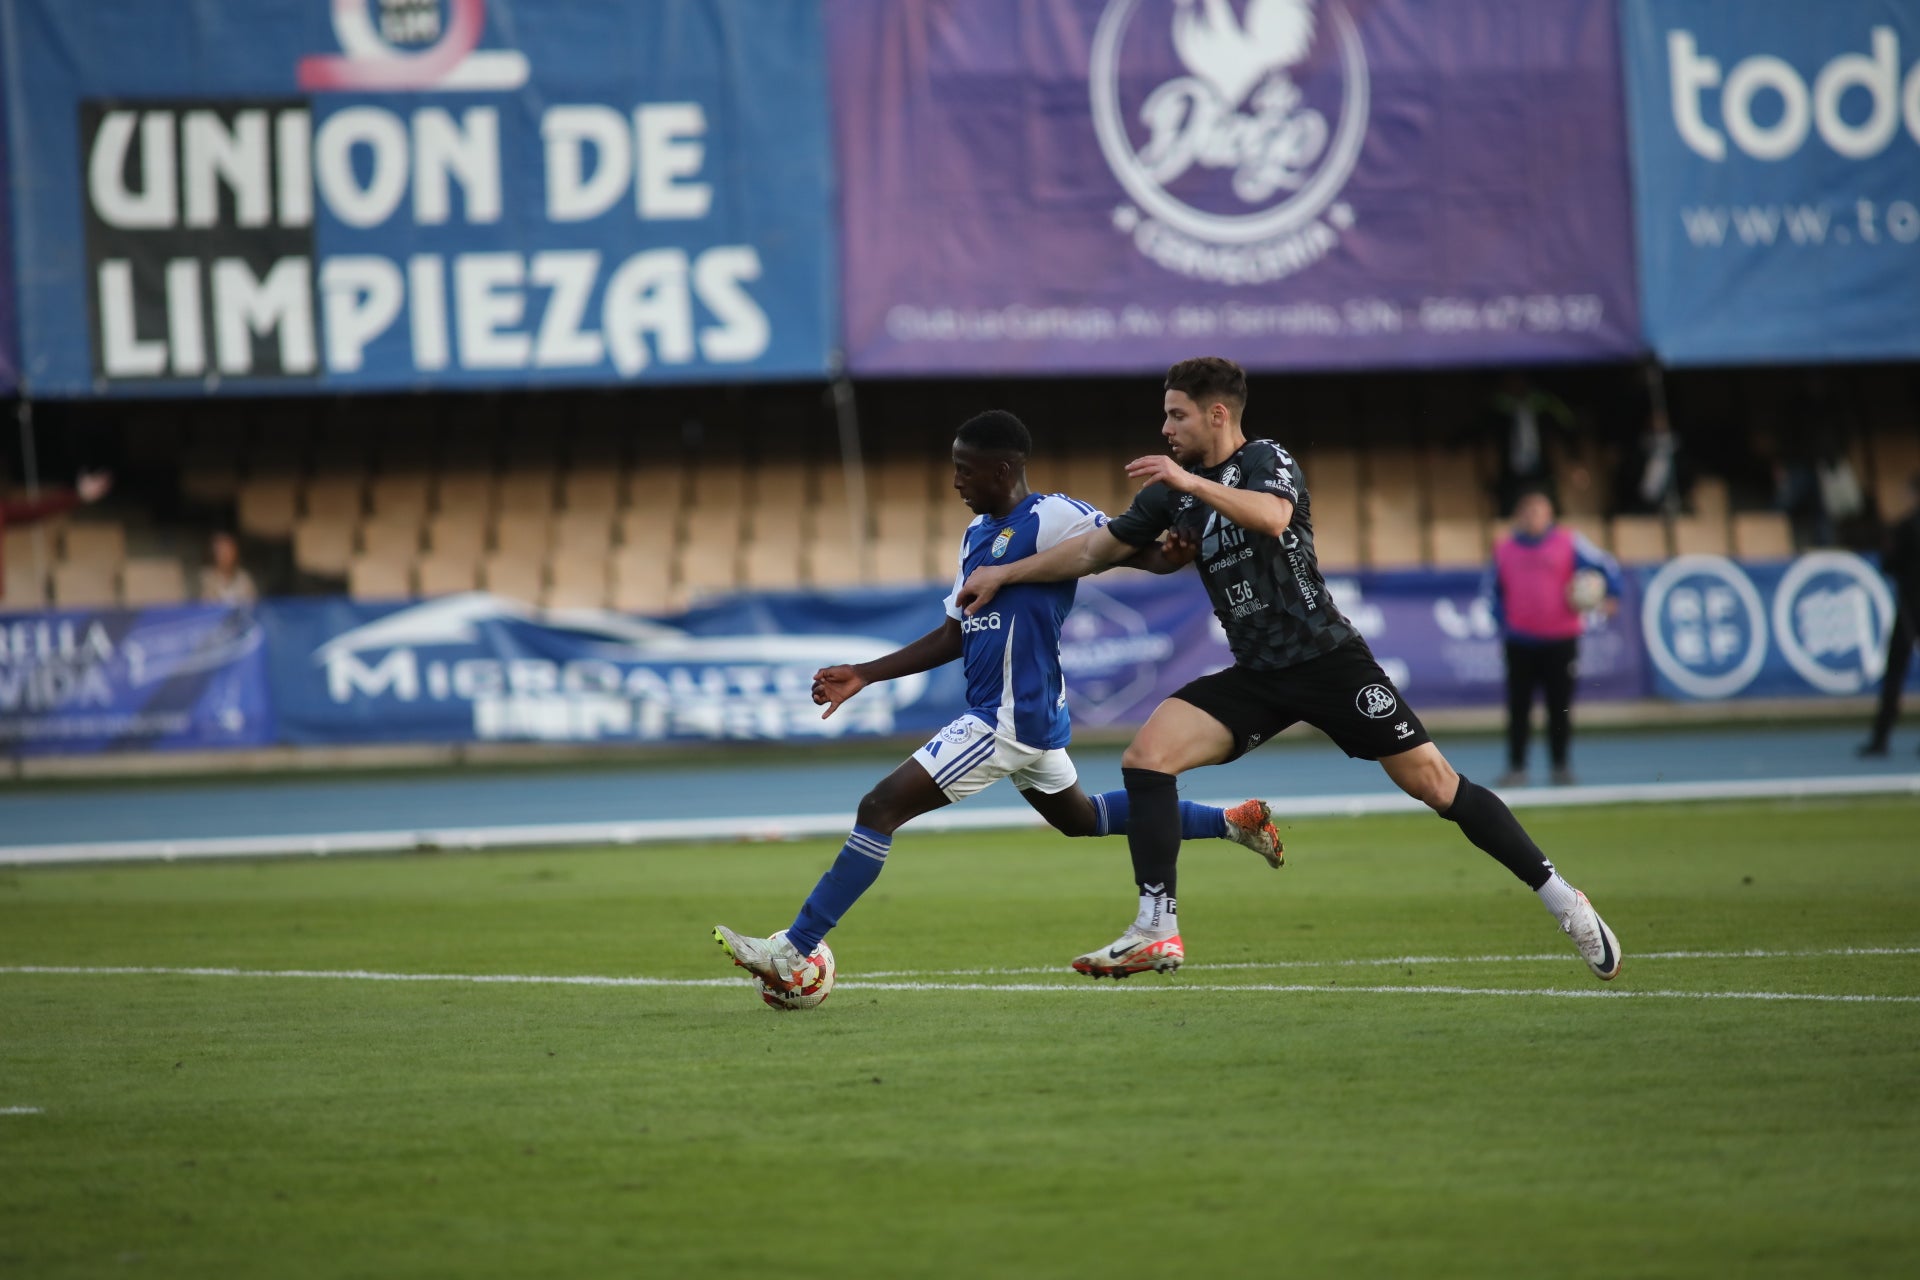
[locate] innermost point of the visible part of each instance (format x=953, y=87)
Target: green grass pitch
x=1267, y=1111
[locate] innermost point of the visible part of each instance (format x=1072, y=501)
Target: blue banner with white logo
x=1776, y=158
x=261, y=195
x=477, y=667
x=151, y=679
x=1816, y=625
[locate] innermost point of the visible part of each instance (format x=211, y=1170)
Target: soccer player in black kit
x=1296, y=657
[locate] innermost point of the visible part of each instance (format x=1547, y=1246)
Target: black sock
x=1153, y=828
x=1487, y=821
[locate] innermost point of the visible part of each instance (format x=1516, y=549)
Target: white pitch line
x=1392, y=961
x=22, y=1111
x=592, y=980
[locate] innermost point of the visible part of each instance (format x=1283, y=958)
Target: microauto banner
x=1111, y=185
x=376, y=194
x=1776, y=149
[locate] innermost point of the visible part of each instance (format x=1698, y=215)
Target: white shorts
x=969, y=755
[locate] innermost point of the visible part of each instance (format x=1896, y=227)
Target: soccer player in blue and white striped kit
x=1016, y=725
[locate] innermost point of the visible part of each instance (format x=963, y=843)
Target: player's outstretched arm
x=1252, y=510
x=834, y=685
x=1091, y=552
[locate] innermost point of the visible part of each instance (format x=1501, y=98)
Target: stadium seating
x=146, y=580
x=83, y=584
x=1762, y=535
x=1701, y=535
x=1640, y=539
x=372, y=577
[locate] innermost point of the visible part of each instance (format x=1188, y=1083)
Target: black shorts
x=1344, y=694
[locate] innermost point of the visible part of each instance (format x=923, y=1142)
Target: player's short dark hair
x=996, y=431
x=1534, y=489
x=1210, y=378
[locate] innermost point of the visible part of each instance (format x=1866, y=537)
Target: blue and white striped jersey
x=1011, y=649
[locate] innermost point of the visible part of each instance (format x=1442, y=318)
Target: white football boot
x=1591, y=937
x=1134, y=951
x=1250, y=823
x=775, y=961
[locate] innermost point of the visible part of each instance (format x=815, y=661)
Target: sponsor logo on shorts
x=955, y=733
x=1376, y=702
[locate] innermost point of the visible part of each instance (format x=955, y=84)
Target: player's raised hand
x=1159, y=467
x=980, y=587
x=833, y=686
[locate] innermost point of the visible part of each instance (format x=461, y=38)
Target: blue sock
x=851, y=875
x=1197, y=821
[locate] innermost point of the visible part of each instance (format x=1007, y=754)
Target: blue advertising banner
x=1113, y=185
x=1816, y=625
x=264, y=195
x=9, y=334
x=149, y=679
x=477, y=667
x=1776, y=159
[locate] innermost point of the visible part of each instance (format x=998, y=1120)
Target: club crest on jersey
x=1001, y=543
x=1231, y=476
x=1375, y=702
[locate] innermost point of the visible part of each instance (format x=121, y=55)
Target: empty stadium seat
x=1336, y=537
x=708, y=569
x=460, y=534
x=1453, y=488
x=514, y=575
x=335, y=494
x=25, y=588
x=148, y=580
x=901, y=561
x=1700, y=535
x=1762, y=535
x=401, y=495
x=654, y=528
x=443, y=573
x=577, y=582
x=82, y=584
x=373, y=577
x=210, y=477
x=97, y=541
x=530, y=491
x=641, y=580
x=460, y=492
x=1458, y=543
x=1709, y=497
x=1393, y=544
x=583, y=532
x=323, y=545
x=1640, y=539
x=266, y=505
x=595, y=489
x=907, y=518
x=525, y=533
x=771, y=564
x=390, y=539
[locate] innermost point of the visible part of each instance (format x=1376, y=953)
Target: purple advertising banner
x=1133, y=639
x=1111, y=185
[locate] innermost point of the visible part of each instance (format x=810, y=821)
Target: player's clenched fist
x=833, y=686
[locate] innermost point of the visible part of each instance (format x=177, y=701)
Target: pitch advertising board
x=377, y=194
x=1110, y=185
x=114, y=679
x=1776, y=157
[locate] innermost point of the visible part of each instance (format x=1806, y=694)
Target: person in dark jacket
x=1901, y=563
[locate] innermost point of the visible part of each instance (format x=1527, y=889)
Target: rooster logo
x=1233, y=56
x=1230, y=167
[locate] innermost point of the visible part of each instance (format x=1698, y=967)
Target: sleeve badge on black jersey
x=1231, y=476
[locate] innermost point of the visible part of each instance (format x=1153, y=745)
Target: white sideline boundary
x=855, y=984
x=954, y=818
